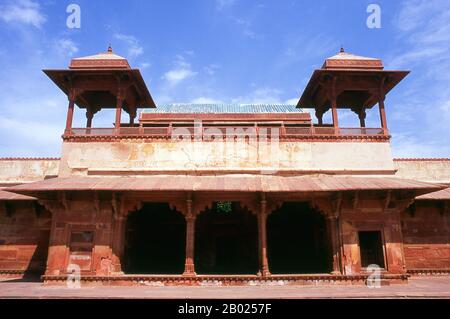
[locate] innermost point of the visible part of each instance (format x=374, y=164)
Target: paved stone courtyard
x=419, y=287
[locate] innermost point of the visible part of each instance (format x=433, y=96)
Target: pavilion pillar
x=119, y=103
x=319, y=115
x=132, y=117
x=189, y=267
x=362, y=117
x=333, y=235
x=382, y=113
x=89, y=117
x=333, y=97
x=70, y=110
x=262, y=242
x=381, y=108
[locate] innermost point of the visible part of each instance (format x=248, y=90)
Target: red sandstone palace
x=224, y=194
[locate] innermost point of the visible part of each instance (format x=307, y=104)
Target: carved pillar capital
x=52, y=206
x=73, y=94
x=330, y=207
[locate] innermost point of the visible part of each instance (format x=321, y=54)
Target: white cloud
x=66, y=47
x=24, y=139
x=420, y=118
x=180, y=72
x=22, y=11
x=303, y=47
x=177, y=75
x=206, y=100
x=262, y=95
x=132, y=43
x=293, y=101
x=224, y=4
x=211, y=69
x=408, y=146
x=245, y=25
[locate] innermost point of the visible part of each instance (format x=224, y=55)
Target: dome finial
x=110, y=48
x=342, y=49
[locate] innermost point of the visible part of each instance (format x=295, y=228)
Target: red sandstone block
x=8, y=254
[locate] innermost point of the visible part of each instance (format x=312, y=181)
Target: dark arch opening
x=297, y=240
x=226, y=242
x=155, y=241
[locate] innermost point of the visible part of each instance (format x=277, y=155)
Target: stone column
x=89, y=117
x=132, y=116
x=383, y=115
x=333, y=235
x=381, y=108
x=118, y=242
x=119, y=103
x=333, y=97
x=189, y=267
x=362, y=117
x=69, y=118
x=262, y=236
x=319, y=116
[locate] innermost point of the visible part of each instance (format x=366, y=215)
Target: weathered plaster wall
x=424, y=170
x=23, y=237
x=29, y=170
x=99, y=157
x=426, y=236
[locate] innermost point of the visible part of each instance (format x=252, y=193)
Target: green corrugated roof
x=224, y=108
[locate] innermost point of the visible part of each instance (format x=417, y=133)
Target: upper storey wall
x=427, y=170
x=141, y=156
x=18, y=171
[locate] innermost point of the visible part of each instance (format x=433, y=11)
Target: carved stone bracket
x=64, y=202
x=74, y=93
x=330, y=207
x=96, y=203
x=53, y=206
x=179, y=206
x=122, y=206
x=387, y=201
x=355, y=200
x=273, y=206
x=253, y=206
x=399, y=205
x=201, y=205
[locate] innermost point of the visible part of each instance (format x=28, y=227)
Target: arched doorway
x=155, y=241
x=226, y=240
x=297, y=240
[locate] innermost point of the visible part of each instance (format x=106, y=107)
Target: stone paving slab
x=419, y=287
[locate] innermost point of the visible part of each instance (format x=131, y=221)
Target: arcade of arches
x=227, y=242
x=187, y=237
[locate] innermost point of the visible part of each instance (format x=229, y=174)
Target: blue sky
x=227, y=51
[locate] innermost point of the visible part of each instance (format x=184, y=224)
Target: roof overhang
x=442, y=195
x=228, y=183
x=102, y=80
x=354, y=80
x=8, y=196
